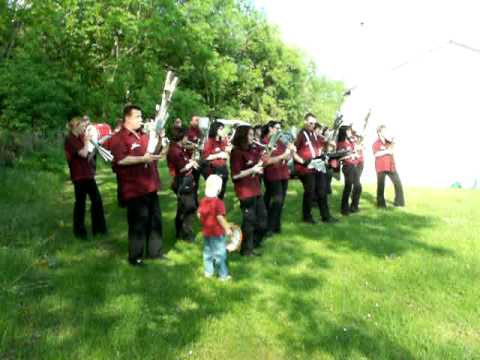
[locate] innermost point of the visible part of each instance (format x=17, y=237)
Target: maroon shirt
x=134, y=180
x=104, y=131
x=177, y=159
x=213, y=146
x=348, y=145
x=278, y=171
x=209, y=209
x=306, y=151
x=80, y=168
x=240, y=160
x=194, y=134
x=385, y=162
x=260, y=151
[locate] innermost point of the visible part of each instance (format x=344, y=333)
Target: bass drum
x=234, y=242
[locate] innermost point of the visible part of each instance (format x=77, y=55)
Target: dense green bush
x=32, y=150
x=64, y=57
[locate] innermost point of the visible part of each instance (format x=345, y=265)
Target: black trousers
x=329, y=181
x=315, y=190
x=82, y=189
x=254, y=223
x=352, y=174
x=196, y=177
x=275, y=193
x=397, y=184
x=144, y=226
x=186, y=207
x=221, y=171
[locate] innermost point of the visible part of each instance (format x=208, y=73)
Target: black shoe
x=354, y=210
x=345, y=213
x=159, y=258
x=100, y=233
x=81, y=235
x=190, y=238
x=136, y=262
x=251, y=253
x=330, y=220
x=309, y=221
x=268, y=234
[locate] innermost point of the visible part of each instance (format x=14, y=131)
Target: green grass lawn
x=392, y=284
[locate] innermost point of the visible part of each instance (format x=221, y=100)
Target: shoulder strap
x=309, y=142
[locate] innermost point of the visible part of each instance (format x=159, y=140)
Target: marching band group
x=250, y=158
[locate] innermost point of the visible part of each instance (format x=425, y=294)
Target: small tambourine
x=234, y=242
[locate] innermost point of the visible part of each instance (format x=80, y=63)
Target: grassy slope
x=400, y=283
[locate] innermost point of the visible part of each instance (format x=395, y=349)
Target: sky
x=352, y=39
x=429, y=104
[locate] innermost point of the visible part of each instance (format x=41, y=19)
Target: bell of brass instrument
x=263, y=146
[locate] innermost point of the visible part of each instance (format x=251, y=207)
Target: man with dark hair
x=177, y=124
x=315, y=181
x=195, y=137
x=138, y=183
x=385, y=166
x=181, y=167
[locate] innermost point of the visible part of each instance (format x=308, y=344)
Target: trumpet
x=196, y=147
x=191, y=145
x=263, y=146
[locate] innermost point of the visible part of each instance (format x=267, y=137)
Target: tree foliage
x=60, y=57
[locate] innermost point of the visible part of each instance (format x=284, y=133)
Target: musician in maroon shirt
x=181, y=167
x=246, y=166
x=216, y=152
x=385, y=166
x=195, y=137
x=352, y=170
x=138, y=183
x=275, y=176
x=359, y=148
x=315, y=182
x=82, y=175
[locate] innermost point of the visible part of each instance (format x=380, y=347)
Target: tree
x=61, y=57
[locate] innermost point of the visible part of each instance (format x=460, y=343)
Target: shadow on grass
x=378, y=232
x=110, y=308
x=348, y=337
x=312, y=330
x=96, y=306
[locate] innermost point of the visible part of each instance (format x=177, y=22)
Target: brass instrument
x=196, y=147
x=258, y=143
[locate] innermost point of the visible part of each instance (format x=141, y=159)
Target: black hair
x=309, y=114
x=127, y=110
x=270, y=124
x=212, y=133
x=240, y=139
x=178, y=134
x=342, y=133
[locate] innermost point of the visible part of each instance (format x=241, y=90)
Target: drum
x=234, y=242
x=99, y=133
